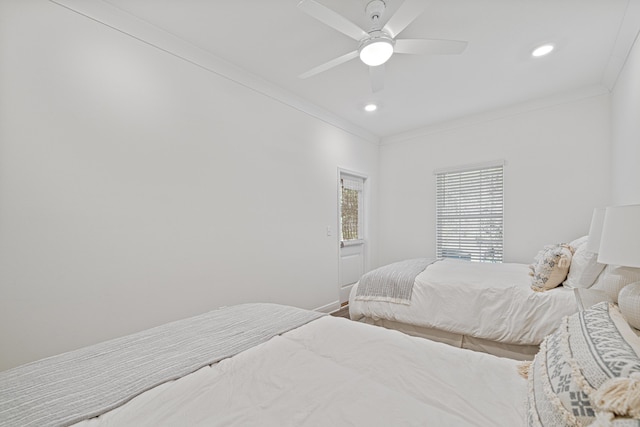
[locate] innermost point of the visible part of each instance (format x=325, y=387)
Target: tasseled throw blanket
x=70, y=387
x=393, y=282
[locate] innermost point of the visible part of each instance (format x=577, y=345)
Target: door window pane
x=351, y=208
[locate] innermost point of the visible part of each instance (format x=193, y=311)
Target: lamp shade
x=595, y=230
x=620, y=238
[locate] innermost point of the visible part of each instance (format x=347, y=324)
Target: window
x=351, y=207
x=469, y=213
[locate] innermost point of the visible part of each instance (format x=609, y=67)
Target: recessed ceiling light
x=543, y=50
x=369, y=108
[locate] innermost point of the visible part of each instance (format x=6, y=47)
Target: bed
x=271, y=365
x=504, y=309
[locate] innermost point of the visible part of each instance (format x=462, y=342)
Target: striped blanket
x=71, y=387
x=393, y=282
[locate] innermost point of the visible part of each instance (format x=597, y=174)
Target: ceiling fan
x=378, y=44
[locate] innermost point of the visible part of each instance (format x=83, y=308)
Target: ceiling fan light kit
x=377, y=49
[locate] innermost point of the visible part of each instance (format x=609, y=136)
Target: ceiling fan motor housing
x=376, y=36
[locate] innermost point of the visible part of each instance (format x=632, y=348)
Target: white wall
x=557, y=171
x=625, y=111
x=137, y=188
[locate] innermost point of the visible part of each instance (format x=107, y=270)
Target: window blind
x=469, y=214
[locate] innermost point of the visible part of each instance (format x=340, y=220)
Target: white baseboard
x=329, y=308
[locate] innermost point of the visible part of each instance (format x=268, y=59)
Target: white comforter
x=335, y=372
x=484, y=300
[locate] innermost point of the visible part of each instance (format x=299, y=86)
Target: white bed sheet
x=333, y=371
x=493, y=301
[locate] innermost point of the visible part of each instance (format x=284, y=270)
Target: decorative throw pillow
x=539, y=257
x=584, y=268
x=587, y=371
x=613, y=278
x=551, y=267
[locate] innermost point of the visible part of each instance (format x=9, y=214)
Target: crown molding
x=627, y=36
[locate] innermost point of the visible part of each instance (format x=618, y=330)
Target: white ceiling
x=276, y=41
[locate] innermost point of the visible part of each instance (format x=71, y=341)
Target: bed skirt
x=511, y=351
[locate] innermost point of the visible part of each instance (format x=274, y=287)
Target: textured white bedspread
x=484, y=300
x=335, y=372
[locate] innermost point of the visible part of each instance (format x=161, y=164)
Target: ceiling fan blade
x=426, y=46
x=334, y=62
x=377, y=78
x=332, y=19
x=406, y=13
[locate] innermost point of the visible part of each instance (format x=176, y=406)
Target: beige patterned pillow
x=551, y=267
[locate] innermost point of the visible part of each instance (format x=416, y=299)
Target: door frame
x=344, y=291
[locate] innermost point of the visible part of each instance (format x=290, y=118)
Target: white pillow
x=584, y=268
x=613, y=278
x=580, y=241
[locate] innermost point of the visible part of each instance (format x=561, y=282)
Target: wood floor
x=342, y=312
